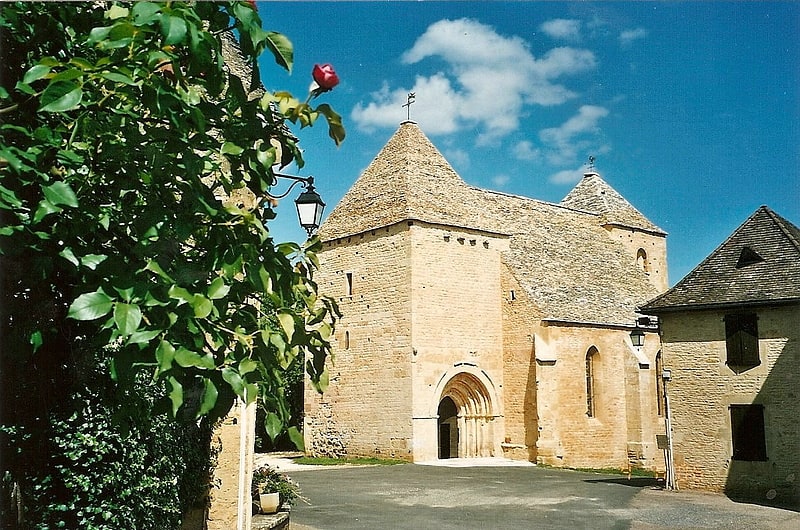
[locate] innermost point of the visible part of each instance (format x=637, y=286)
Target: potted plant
x=272, y=489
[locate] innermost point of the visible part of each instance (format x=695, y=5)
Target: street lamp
x=309, y=208
x=309, y=204
x=637, y=337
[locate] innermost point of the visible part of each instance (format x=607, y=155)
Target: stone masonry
x=468, y=315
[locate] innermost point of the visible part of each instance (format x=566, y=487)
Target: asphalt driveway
x=514, y=497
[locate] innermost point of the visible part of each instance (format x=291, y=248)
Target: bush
x=97, y=470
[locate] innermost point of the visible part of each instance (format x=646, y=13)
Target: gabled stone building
x=477, y=323
x=731, y=338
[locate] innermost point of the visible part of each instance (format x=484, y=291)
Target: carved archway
x=473, y=428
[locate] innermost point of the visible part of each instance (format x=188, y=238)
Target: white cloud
x=626, y=37
x=499, y=181
x=564, y=143
x=487, y=81
x=567, y=176
x=525, y=150
x=562, y=28
x=458, y=158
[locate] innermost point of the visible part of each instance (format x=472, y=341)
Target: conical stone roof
x=562, y=256
x=594, y=194
x=408, y=179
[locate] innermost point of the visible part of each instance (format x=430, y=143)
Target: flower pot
x=269, y=502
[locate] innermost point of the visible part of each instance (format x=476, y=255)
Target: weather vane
x=409, y=102
x=591, y=162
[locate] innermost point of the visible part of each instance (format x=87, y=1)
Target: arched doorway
x=466, y=418
x=448, y=428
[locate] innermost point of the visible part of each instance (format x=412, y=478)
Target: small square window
x=747, y=433
x=741, y=339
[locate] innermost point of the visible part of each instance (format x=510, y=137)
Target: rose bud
x=325, y=76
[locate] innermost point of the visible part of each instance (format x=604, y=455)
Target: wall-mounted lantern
x=309, y=203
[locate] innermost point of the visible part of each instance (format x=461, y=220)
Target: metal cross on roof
x=409, y=102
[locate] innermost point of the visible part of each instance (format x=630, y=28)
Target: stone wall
x=624, y=399
x=703, y=387
x=370, y=373
x=654, y=244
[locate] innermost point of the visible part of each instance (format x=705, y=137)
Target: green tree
x=134, y=171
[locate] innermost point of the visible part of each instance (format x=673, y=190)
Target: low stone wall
x=275, y=521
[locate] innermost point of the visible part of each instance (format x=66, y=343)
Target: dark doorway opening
x=448, y=428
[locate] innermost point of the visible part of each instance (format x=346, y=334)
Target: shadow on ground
x=634, y=482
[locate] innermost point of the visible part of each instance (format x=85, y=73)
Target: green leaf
x=144, y=336
x=187, y=358
x=98, y=34
x=247, y=365
x=281, y=48
x=202, y=306
x=61, y=96
x=296, y=438
x=218, y=289
x=173, y=28
x=118, y=78
x=68, y=255
x=61, y=193
x=153, y=266
x=35, y=73
x=45, y=208
x=91, y=261
x=209, y=399
x=175, y=394
x=233, y=378
x=287, y=324
x=116, y=11
x=145, y=13
x=127, y=317
x=36, y=340
x=335, y=129
x=165, y=353
x=273, y=425
x=230, y=148
x=90, y=306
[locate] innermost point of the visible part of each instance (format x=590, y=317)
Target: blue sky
x=692, y=110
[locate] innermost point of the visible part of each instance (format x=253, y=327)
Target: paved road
x=454, y=497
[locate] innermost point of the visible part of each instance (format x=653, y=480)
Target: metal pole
x=671, y=483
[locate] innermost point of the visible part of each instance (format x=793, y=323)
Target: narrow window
x=741, y=339
x=660, y=384
x=346, y=340
x=591, y=356
x=641, y=260
x=747, y=433
x=349, y=283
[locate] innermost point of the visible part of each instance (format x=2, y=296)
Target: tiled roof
x=593, y=194
x=562, y=256
x=758, y=263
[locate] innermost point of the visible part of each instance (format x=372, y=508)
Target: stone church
x=481, y=324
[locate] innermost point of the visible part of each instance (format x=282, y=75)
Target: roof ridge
x=783, y=225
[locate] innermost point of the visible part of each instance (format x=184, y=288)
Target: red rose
x=325, y=76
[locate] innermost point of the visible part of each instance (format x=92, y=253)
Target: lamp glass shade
x=309, y=209
x=637, y=337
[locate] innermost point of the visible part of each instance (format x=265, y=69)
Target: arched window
x=591, y=359
x=641, y=260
